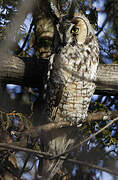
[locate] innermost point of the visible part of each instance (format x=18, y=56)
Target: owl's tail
x=53, y=167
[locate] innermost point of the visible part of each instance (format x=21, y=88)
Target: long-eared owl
x=73, y=70
x=71, y=83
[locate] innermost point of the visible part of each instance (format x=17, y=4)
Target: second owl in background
x=73, y=70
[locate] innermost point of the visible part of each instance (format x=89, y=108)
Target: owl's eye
x=75, y=29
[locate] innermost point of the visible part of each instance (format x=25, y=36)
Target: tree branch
x=43, y=130
x=84, y=141
x=107, y=79
x=23, y=71
x=93, y=166
x=28, y=150
x=61, y=156
x=18, y=51
x=46, y=155
x=33, y=72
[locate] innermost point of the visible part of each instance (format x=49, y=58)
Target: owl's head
x=70, y=28
x=74, y=31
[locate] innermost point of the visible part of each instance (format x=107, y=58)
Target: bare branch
x=92, y=166
x=32, y=72
x=26, y=39
x=47, y=128
x=84, y=141
x=102, y=115
x=107, y=79
x=17, y=21
x=41, y=130
x=24, y=71
x=46, y=155
x=19, y=148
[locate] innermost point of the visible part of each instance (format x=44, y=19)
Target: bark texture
x=32, y=72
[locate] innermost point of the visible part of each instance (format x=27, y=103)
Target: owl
x=71, y=82
x=73, y=73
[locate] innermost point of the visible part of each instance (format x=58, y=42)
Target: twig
x=91, y=166
x=26, y=39
x=61, y=156
x=18, y=148
x=84, y=141
x=46, y=155
x=16, y=21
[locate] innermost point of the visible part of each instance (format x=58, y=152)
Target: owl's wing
x=55, y=95
x=55, y=86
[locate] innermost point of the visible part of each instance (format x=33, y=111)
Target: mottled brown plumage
x=71, y=81
x=73, y=71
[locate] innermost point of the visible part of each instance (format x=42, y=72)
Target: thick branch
x=32, y=72
x=43, y=130
x=23, y=71
x=107, y=79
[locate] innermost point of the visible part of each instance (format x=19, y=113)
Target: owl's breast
x=74, y=104
x=76, y=71
x=79, y=62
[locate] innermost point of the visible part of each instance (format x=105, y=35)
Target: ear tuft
x=54, y=10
